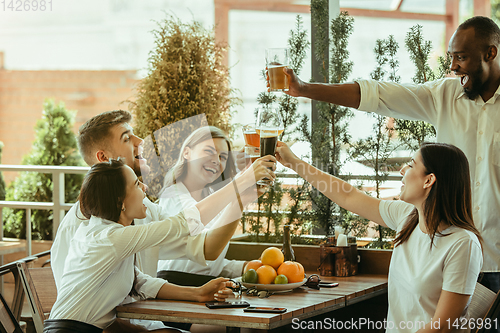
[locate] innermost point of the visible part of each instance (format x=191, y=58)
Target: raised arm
x=215, y=203
x=345, y=94
x=337, y=190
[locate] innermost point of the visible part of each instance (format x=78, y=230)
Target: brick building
x=22, y=93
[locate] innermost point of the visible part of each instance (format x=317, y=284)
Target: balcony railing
x=59, y=206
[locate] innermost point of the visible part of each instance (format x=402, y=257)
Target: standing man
x=464, y=110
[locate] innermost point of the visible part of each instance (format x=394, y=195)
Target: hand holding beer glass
x=269, y=126
x=276, y=61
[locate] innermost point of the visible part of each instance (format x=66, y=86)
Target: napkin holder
x=338, y=260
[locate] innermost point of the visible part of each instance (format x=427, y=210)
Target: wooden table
x=301, y=303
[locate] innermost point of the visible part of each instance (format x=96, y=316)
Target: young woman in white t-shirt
x=205, y=164
x=100, y=270
x=437, y=255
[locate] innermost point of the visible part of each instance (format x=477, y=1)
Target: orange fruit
x=254, y=264
x=266, y=274
x=293, y=270
x=272, y=256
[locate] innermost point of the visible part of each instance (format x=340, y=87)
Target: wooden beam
x=222, y=8
x=271, y=7
x=395, y=14
x=482, y=8
x=222, y=27
x=452, y=9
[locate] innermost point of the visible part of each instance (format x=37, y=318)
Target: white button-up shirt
x=176, y=199
x=147, y=258
x=99, y=268
x=473, y=126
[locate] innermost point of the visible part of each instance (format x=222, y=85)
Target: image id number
x=26, y=5
x=479, y=323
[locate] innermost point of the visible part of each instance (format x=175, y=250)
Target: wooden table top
x=301, y=303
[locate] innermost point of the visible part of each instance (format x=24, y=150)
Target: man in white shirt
x=464, y=110
x=109, y=135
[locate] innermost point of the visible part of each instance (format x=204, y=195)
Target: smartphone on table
x=264, y=309
x=222, y=305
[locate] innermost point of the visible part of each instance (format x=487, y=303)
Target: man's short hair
x=486, y=30
x=94, y=134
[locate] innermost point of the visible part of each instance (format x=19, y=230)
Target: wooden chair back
x=8, y=323
x=485, y=304
x=40, y=288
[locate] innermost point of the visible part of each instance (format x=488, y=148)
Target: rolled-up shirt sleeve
x=193, y=219
x=147, y=286
x=404, y=101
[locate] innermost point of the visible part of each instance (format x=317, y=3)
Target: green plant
x=495, y=11
x=186, y=77
x=331, y=130
x=54, y=145
x=2, y=182
x=268, y=206
x=412, y=133
x=376, y=150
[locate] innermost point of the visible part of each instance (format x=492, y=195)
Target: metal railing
x=58, y=204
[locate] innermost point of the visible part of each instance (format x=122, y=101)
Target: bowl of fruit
x=272, y=273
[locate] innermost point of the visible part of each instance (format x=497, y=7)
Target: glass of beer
x=276, y=60
x=269, y=126
x=252, y=142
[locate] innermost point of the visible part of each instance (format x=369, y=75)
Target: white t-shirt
x=472, y=126
x=417, y=274
x=99, y=268
x=175, y=199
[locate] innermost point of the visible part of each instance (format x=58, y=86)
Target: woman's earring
x=123, y=209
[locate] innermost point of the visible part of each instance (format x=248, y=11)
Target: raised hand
x=285, y=156
x=295, y=83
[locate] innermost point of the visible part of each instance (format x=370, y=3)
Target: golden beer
x=278, y=81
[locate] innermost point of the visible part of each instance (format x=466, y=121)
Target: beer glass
x=269, y=126
x=276, y=60
x=252, y=142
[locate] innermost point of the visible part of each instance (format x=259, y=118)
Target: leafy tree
x=54, y=145
x=379, y=146
x=331, y=130
x=412, y=133
x=495, y=11
x=186, y=77
x=287, y=107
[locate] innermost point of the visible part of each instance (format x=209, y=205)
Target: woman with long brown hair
x=437, y=253
x=100, y=269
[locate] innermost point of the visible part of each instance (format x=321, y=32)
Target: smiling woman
x=205, y=164
x=438, y=253
x=100, y=269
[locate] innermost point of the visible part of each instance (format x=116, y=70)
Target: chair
x=8, y=323
x=484, y=304
x=40, y=289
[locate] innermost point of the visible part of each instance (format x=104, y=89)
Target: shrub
x=186, y=78
x=55, y=144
